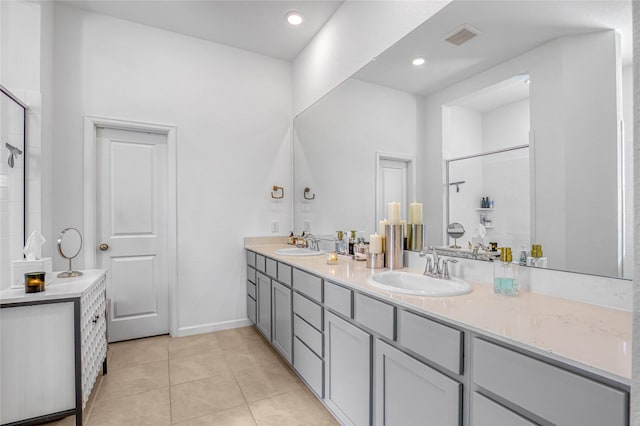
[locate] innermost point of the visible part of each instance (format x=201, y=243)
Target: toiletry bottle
x=483, y=203
x=292, y=239
x=523, y=256
x=490, y=204
x=505, y=274
x=352, y=242
x=539, y=261
x=339, y=243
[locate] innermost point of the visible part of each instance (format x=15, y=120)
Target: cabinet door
x=264, y=305
x=409, y=392
x=348, y=371
x=281, y=316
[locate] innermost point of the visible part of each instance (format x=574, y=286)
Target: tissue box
x=21, y=267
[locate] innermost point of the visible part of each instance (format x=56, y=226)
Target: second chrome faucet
x=436, y=267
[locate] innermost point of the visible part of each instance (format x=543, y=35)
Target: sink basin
x=295, y=251
x=421, y=285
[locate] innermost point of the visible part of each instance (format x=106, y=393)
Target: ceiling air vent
x=462, y=35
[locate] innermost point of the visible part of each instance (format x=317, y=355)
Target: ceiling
x=257, y=26
x=508, y=29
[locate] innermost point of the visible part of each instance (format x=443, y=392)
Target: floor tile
x=292, y=408
x=181, y=347
x=258, y=355
x=197, y=367
x=138, y=352
x=143, y=409
x=239, y=338
x=260, y=383
x=239, y=416
x=131, y=380
x=207, y=396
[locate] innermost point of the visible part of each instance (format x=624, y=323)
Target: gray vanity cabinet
x=347, y=371
x=281, y=319
x=263, y=314
x=408, y=392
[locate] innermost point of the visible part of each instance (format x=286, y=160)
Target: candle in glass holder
x=34, y=282
x=332, y=259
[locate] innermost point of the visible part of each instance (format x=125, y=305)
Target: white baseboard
x=215, y=326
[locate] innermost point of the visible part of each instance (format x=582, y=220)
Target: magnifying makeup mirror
x=455, y=231
x=69, y=246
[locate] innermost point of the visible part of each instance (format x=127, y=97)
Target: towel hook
x=276, y=189
x=307, y=192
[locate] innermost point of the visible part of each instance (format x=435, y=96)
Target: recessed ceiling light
x=418, y=61
x=294, y=18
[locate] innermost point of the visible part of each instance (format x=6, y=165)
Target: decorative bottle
x=505, y=274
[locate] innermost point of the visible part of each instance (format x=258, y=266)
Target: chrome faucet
x=433, y=263
x=312, y=242
x=435, y=267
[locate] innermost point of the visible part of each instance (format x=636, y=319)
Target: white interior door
x=392, y=186
x=132, y=230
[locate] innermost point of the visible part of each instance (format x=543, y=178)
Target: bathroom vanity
x=377, y=357
x=53, y=346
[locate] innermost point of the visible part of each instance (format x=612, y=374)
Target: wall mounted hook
x=274, y=193
x=307, y=192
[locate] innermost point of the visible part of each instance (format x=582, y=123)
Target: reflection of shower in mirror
x=13, y=153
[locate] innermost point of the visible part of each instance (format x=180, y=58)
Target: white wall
x=563, y=114
x=506, y=126
x=335, y=153
x=232, y=109
x=356, y=33
x=627, y=117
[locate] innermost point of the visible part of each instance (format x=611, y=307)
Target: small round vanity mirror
x=69, y=246
x=455, y=231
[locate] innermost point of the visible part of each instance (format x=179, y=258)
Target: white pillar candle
x=393, y=213
x=415, y=213
x=405, y=227
x=381, y=226
x=375, y=244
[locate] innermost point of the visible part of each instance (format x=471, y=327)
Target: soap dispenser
x=505, y=274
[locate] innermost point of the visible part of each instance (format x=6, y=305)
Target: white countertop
x=60, y=288
x=589, y=337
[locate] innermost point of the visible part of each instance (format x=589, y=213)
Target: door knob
x=103, y=247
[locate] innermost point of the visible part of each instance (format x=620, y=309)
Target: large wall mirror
x=552, y=79
x=12, y=182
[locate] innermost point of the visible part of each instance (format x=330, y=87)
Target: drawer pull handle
x=95, y=319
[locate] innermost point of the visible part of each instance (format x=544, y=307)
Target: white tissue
x=481, y=231
x=33, y=249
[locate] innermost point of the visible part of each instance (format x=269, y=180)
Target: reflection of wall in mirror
x=573, y=106
x=11, y=188
x=334, y=153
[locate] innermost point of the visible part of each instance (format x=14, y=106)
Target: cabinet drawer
x=338, y=298
x=309, y=366
x=375, y=315
x=284, y=273
x=308, y=284
x=307, y=310
x=261, y=263
x=251, y=309
x=251, y=259
x=434, y=341
x=272, y=268
x=488, y=413
x=556, y=395
x=309, y=335
x=251, y=289
x=251, y=274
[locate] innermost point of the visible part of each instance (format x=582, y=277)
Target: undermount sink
x=297, y=251
x=421, y=285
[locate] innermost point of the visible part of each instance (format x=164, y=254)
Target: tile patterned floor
x=231, y=377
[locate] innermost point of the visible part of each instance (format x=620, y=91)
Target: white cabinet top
x=60, y=288
x=589, y=337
